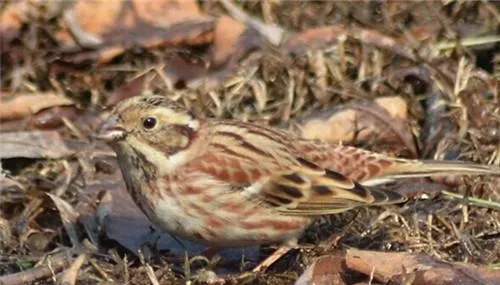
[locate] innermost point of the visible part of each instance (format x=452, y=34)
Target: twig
x=71, y=274
x=57, y=263
x=473, y=201
x=467, y=42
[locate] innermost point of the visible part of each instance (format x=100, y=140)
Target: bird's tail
x=426, y=168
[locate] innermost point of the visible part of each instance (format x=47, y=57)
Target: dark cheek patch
x=170, y=139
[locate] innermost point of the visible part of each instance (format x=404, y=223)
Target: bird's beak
x=110, y=130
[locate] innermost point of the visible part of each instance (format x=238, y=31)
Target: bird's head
x=151, y=125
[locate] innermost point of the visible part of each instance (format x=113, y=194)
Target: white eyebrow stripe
x=163, y=112
x=171, y=117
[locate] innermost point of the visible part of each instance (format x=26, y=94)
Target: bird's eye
x=149, y=123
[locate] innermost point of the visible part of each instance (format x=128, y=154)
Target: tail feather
x=386, y=197
x=426, y=168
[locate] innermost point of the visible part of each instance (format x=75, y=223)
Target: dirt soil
x=408, y=79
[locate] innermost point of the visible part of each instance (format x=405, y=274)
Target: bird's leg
x=270, y=260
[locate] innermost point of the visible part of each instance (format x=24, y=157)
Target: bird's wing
x=265, y=164
x=312, y=190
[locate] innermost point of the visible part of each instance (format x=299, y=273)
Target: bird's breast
x=210, y=211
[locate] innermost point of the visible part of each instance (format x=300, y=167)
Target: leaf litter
x=413, y=79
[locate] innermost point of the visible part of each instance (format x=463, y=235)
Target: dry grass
x=277, y=88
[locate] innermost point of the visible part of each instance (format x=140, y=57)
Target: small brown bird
x=230, y=183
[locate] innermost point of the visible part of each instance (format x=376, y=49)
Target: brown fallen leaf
x=227, y=34
x=321, y=37
x=315, y=38
x=23, y=105
x=376, y=38
x=361, y=121
x=129, y=89
x=272, y=33
x=10, y=22
x=393, y=268
x=69, y=218
x=327, y=270
x=181, y=69
x=53, y=117
x=386, y=267
x=165, y=23
x=38, y=241
x=13, y=14
x=34, y=144
x=109, y=27
x=116, y=20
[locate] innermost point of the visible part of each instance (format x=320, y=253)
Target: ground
x=409, y=79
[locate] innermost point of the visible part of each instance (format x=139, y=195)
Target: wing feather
x=306, y=193
x=251, y=156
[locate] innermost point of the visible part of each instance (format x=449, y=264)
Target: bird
x=228, y=183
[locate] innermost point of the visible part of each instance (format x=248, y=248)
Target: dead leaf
x=34, y=144
x=361, y=121
x=327, y=270
x=321, y=37
x=272, y=33
x=182, y=69
x=10, y=22
x=393, y=268
x=110, y=27
x=129, y=89
x=116, y=20
x=227, y=34
x=314, y=38
x=69, y=217
x=376, y=38
x=38, y=241
x=23, y=105
x=165, y=23
x=52, y=118
x=386, y=266
x=14, y=13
